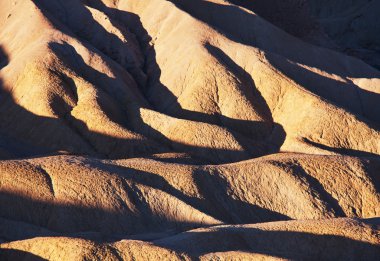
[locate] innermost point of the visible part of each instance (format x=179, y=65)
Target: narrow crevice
x=318, y=191
x=115, y=252
x=48, y=178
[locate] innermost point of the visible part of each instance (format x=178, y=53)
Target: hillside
x=189, y=129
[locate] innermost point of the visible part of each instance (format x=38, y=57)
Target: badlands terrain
x=189, y=130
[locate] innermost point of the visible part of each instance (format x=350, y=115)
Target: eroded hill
x=176, y=129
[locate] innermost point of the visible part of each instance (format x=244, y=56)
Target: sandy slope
x=140, y=120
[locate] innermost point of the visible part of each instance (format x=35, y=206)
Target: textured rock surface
x=189, y=129
x=344, y=239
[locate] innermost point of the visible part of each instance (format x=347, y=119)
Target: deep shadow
x=374, y=222
x=15, y=254
x=290, y=15
x=342, y=151
x=3, y=58
x=282, y=244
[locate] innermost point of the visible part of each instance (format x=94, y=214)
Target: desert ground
x=189, y=130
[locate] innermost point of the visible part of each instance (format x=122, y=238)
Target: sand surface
x=189, y=130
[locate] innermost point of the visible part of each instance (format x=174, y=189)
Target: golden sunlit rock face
x=189, y=130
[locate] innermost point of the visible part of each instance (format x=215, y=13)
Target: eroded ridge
x=189, y=129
